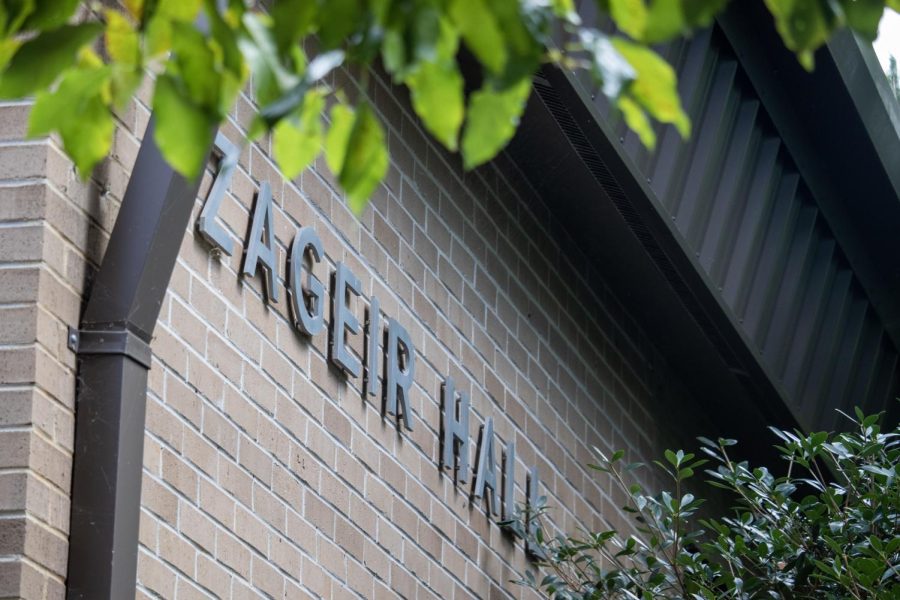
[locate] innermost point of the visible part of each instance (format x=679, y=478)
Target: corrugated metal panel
x=744, y=213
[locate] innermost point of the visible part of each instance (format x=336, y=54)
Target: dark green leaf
x=41, y=60
x=183, y=129
x=863, y=16
x=271, y=78
x=291, y=21
x=49, y=14
x=296, y=141
x=804, y=25
x=342, y=119
x=437, y=97
x=492, y=120
x=337, y=20
x=76, y=109
x=481, y=32
x=13, y=15
x=366, y=160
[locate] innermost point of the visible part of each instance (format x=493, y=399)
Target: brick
x=213, y=577
x=176, y=551
x=255, y=460
x=17, y=365
x=179, y=475
x=232, y=553
x=23, y=161
x=154, y=575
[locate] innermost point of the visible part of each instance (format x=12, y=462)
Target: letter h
x=455, y=430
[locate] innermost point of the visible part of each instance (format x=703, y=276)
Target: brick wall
x=53, y=227
x=265, y=472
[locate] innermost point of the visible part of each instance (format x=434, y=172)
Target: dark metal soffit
x=748, y=256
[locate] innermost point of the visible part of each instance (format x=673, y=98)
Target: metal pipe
x=113, y=346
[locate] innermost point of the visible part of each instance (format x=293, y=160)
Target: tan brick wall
x=52, y=228
x=265, y=473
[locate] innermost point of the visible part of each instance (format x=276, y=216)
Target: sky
x=888, y=41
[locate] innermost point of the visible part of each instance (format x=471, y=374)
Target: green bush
x=828, y=528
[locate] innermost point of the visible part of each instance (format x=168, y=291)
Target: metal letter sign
x=533, y=502
x=307, y=304
x=306, y=299
x=259, y=251
x=486, y=476
x=509, y=480
x=343, y=320
x=207, y=225
x=398, y=378
x=373, y=333
x=455, y=430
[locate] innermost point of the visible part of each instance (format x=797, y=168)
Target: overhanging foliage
x=82, y=65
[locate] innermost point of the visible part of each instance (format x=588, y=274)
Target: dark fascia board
x=875, y=103
x=841, y=126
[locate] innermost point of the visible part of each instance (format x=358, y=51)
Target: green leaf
x=492, y=120
x=157, y=37
x=122, y=42
x=366, y=160
x=135, y=8
x=49, y=14
x=428, y=39
x=76, y=109
x=803, y=26
x=271, y=79
x=183, y=129
x=291, y=21
x=630, y=16
x=437, y=97
x=342, y=118
x=296, y=141
x=665, y=19
x=481, y=32
x=8, y=47
x=671, y=457
x=14, y=15
x=184, y=11
x=123, y=83
x=40, y=61
x=337, y=20
x=225, y=37
x=393, y=53
x=194, y=61
x=655, y=88
x=863, y=16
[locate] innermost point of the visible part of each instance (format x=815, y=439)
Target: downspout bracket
x=72, y=339
x=114, y=341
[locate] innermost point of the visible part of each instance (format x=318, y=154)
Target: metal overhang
x=774, y=129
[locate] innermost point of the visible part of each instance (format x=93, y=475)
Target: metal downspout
x=113, y=346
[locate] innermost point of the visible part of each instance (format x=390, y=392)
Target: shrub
x=828, y=528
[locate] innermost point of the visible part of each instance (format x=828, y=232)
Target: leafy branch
x=812, y=533
x=83, y=65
